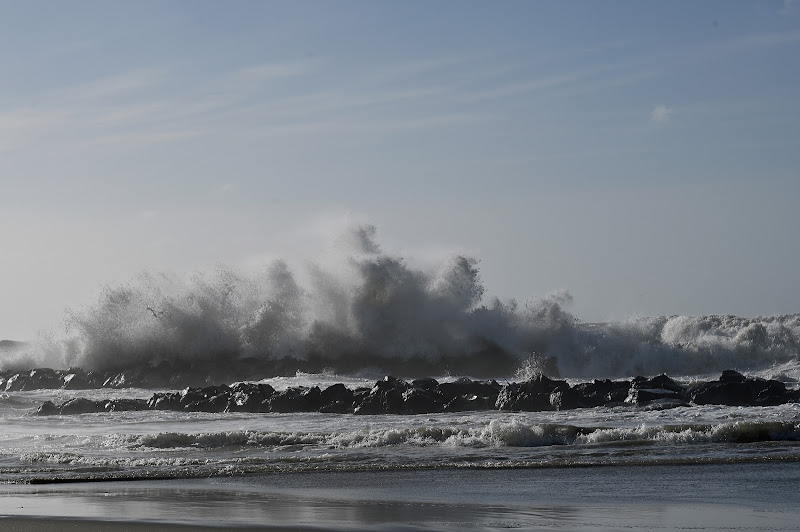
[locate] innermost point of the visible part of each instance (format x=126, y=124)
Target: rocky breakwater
x=162, y=375
x=391, y=395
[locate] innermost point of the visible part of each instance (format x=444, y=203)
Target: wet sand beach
x=709, y=497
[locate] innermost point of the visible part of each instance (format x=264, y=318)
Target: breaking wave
x=372, y=310
x=496, y=433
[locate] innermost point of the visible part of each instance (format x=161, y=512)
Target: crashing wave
x=375, y=311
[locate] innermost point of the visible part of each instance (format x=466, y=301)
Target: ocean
x=620, y=465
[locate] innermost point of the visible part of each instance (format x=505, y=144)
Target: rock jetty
x=392, y=395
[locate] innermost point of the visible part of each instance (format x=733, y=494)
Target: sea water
x=374, y=314
x=605, y=468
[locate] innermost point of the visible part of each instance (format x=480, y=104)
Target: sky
x=644, y=156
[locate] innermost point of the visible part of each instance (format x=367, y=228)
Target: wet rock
x=730, y=375
x=469, y=403
x=16, y=382
x=118, y=380
x=386, y=397
x=249, y=397
x=209, y=399
x=296, y=399
x=601, y=392
x=535, y=394
x=78, y=379
x=125, y=405
x=336, y=399
x=425, y=383
x=44, y=379
x=734, y=389
x=48, y=409
x=465, y=386
x=564, y=399
x=660, y=388
x=81, y=405
x=165, y=401
x=421, y=401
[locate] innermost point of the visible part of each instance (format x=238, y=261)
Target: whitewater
x=352, y=321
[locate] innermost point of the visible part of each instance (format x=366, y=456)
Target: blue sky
x=644, y=156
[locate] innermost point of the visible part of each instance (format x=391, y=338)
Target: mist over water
x=370, y=310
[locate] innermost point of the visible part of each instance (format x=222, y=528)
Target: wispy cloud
x=139, y=139
x=661, y=114
x=19, y=127
x=115, y=85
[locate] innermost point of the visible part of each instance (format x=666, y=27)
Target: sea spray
x=372, y=310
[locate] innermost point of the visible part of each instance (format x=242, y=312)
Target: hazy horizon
x=642, y=156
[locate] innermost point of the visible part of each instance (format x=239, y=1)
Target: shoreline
x=56, y=524
x=709, y=497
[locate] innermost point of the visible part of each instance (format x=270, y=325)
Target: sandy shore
x=758, y=496
x=38, y=524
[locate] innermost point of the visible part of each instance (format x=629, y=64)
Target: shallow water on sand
x=710, y=497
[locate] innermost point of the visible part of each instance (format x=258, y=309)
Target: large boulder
x=78, y=379
x=207, y=399
x=421, y=401
x=125, y=405
x=296, y=399
x=536, y=394
x=661, y=388
x=48, y=409
x=386, y=397
x=165, y=401
x=734, y=389
x=602, y=392
x=81, y=405
x=336, y=399
x=465, y=386
x=249, y=397
x=44, y=379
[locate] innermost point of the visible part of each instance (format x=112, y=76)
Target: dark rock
x=426, y=383
x=125, y=405
x=118, y=380
x=734, y=389
x=249, y=397
x=730, y=375
x=642, y=396
x=296, y=399
x=533, y=395
x=464, y=386
x=165, y=401
x=644, y=390
x=564, y=399
x=208, y=399
x=660, y=382
x=421, y=401
x=215, y=404
x=386, y=397
x=335, y=394
x=601, y=392
x=81, y=405
x=44, y=379
x=771, y=393
x=78, y=379
x=16, y=382
x=48, y=409
x=469, y=403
